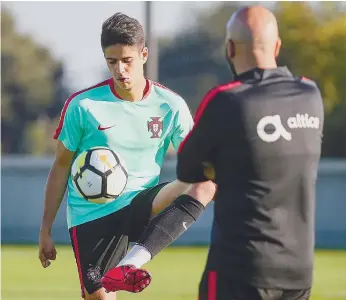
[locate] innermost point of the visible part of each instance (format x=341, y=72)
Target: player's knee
x=202, y=192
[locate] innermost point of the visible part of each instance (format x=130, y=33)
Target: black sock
x=171, y=223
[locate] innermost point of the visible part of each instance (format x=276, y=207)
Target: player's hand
x=215, y=193
x=47, y=251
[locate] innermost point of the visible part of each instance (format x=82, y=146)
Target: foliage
x=31, y=84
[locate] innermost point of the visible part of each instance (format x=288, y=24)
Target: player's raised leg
x=175, y=208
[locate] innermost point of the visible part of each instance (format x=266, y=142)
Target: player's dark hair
x=122, y=29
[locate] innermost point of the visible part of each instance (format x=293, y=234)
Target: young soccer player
x=138, y=119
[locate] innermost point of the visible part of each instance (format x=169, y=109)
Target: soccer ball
x=99, y=175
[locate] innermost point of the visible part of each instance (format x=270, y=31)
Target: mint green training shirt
x=140, y=132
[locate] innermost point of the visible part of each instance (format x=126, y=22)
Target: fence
x=23, y=180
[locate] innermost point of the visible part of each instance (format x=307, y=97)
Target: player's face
x=126, y=64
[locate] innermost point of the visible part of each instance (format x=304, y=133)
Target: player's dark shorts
x=99, y=245
x=214, y=286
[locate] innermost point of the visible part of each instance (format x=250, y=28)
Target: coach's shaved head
x=252, y=38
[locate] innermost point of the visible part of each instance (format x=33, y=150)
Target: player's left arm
x=195, y=155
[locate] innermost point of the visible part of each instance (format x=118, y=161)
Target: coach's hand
x=47, y=251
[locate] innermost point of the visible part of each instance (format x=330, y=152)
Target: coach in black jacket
x=262, y=136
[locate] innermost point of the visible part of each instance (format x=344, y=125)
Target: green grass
x=176, y=273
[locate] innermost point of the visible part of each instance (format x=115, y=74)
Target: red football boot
x=126, y=278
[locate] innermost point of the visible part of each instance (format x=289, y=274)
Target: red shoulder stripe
x=206, y=100
x=67, y=103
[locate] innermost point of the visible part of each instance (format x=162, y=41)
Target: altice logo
x=270, y=128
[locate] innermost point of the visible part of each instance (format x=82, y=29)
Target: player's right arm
x=68, y=134
x=54, y=193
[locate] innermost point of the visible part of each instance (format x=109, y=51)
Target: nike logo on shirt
x=104, y=128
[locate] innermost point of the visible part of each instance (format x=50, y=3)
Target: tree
x=31, y=83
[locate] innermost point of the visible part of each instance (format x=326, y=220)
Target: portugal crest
x=155, y=126
x=94, y=274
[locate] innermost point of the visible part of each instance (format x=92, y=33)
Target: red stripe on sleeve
x=212, y=278
x=77, y=255
x=68, y=101
x=206, y=100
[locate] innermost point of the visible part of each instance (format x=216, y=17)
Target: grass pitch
x=176, y=273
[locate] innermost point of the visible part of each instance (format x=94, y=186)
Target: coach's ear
x=145, y=53
x=277, y=47
x=230, y=49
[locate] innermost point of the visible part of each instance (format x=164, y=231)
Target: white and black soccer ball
x=99, y=175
